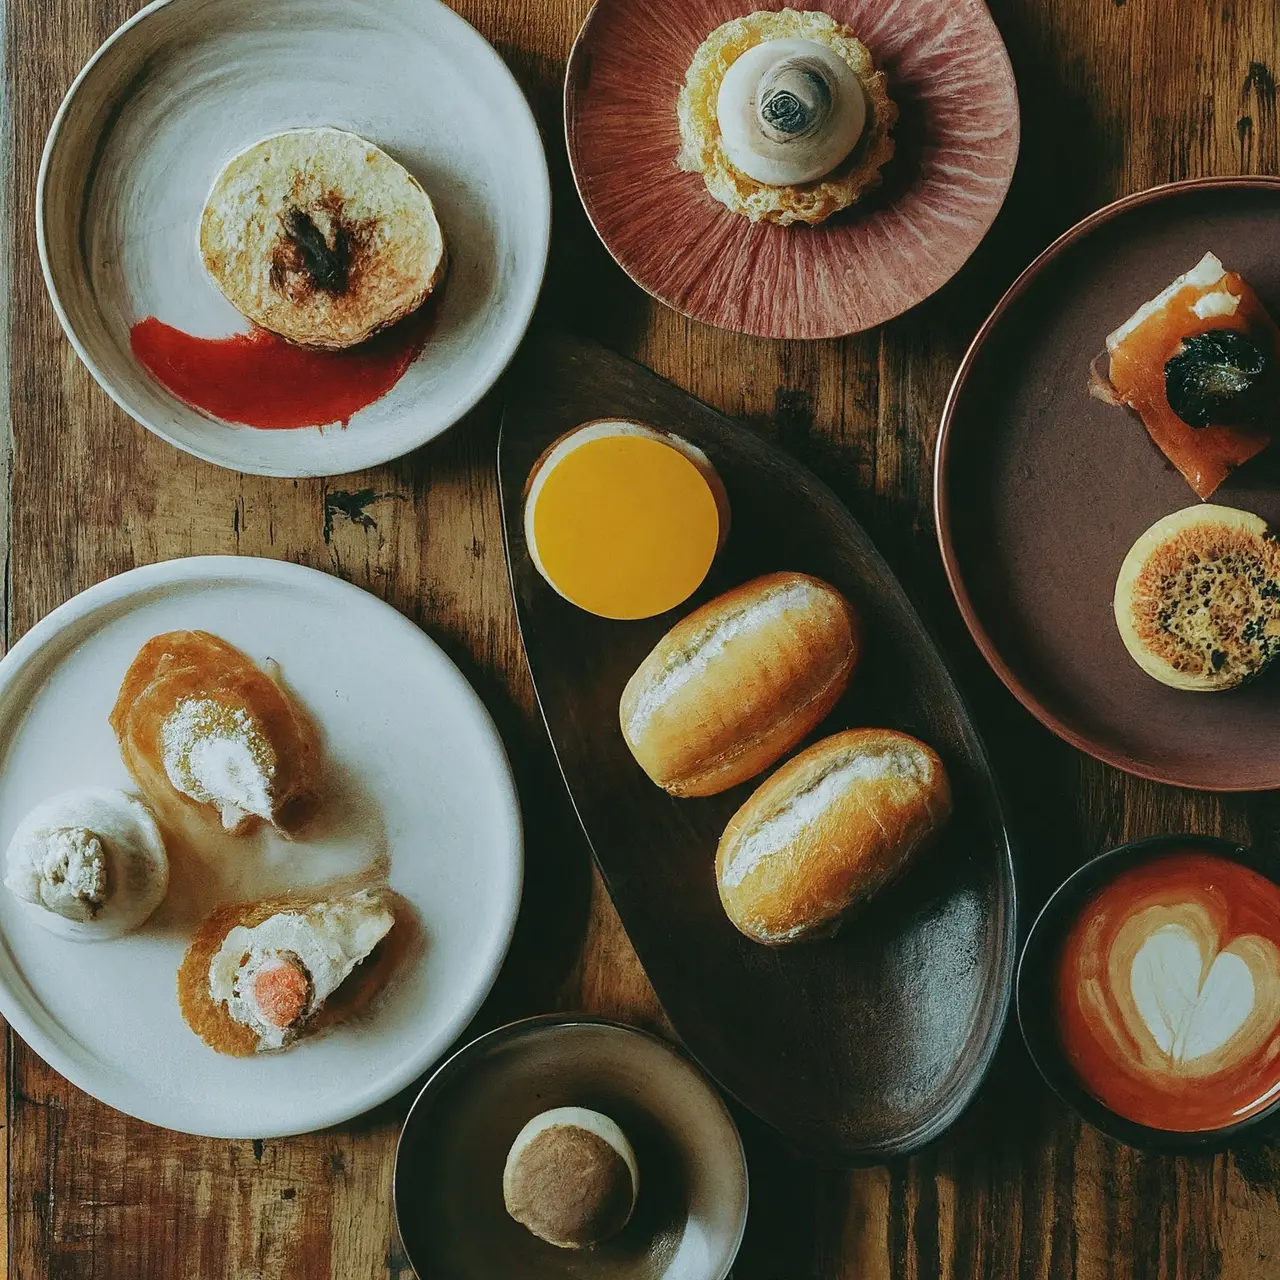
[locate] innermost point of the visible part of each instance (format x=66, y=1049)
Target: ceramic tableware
x=415, y=773
x=185, y=85
x=691, y=1211
x=1040, y=489
x=957, y=143
x=855, y=1049
x=1169, y=1027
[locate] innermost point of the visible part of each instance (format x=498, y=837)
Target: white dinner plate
x=185, y=85
x=419, y=774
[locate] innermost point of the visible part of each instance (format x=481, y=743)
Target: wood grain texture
x=1116, y=96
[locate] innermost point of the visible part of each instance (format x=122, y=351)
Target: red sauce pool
x=257, y=379
x=1108, y=1042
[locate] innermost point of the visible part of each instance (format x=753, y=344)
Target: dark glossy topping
x=1221, y=378
x=788, y=113
x=326, y=264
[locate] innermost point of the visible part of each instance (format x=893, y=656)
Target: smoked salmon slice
x=1154, y=350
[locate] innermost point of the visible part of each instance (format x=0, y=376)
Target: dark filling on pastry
x=304, y=250
x=1213, y=604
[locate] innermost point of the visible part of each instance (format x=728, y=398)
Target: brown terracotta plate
x=957, y=140
x=1041, y=489
x=855, y=1049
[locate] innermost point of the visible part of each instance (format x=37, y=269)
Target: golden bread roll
x=321, y=237
x=829, y=829
x=1197, y=601
x=733, y=687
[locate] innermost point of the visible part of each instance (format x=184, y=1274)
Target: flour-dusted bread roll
x=321, y=237
x=829, y=829
x=735, y=685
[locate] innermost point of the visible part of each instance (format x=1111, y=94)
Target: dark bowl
x=691, y=1212
x=1035, y=994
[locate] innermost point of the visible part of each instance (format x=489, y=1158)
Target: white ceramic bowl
x=186, y=84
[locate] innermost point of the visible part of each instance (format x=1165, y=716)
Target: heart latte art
x=1169, y=993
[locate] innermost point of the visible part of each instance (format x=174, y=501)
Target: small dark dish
x=855, y=1049
x=1036, y=999
x=692, y=1207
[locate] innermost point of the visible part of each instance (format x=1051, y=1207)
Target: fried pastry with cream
x=90, y=864
x=785, y=116
x=321, y=237
x=198, y=720
x=258, y=975
x=1197, y=600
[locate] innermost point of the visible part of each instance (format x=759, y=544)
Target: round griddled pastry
x=1198, y=598
x=785, y=116
x=321, y=237
x=571, y=1177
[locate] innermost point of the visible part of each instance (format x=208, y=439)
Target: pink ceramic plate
x=957, y=141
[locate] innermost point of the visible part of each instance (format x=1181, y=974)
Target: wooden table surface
x=1117, y=95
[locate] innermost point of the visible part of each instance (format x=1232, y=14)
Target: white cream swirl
x=91, y=863
x=790, y=111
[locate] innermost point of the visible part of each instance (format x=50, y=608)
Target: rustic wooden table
x=1117, y=95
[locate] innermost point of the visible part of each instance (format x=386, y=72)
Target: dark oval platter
x=854, y=1049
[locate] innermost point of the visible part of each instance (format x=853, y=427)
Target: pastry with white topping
x=785, y=116
x=259, y=974
x=199, y=720
x=90, y=864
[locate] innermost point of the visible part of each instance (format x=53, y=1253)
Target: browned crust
x=1206, y=603
x=180, y=665
x=211, y=1021
x=570, y=1187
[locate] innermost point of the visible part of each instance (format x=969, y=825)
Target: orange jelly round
x=622, y=523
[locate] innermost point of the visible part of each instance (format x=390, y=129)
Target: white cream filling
x=226, y=770
x=1208, y=271
x=93, y=861
x=328, y=938
x=792, y=67
x=1218, y=303
x=1188, y=1018
x=218, y=765
x=707, y=648
x=778, y=831
x=64, y=871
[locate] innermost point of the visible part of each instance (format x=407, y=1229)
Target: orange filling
x=1204, y=455
x=625, y=526
x=281, y=993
